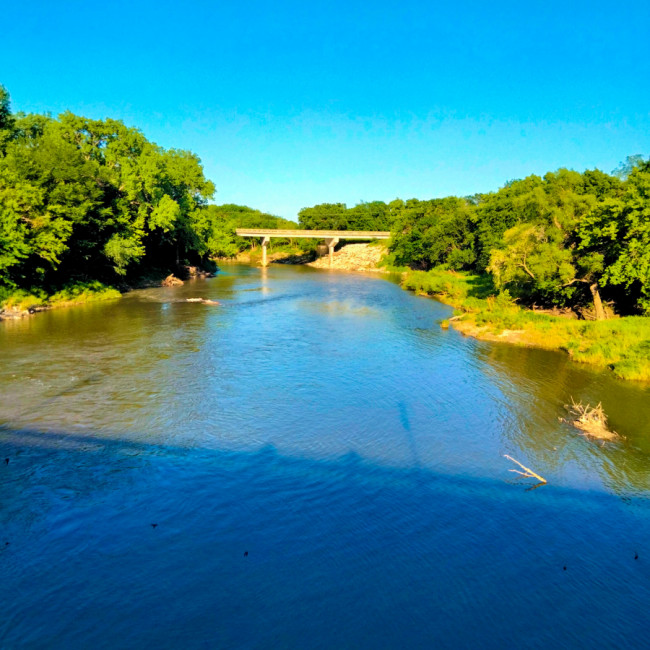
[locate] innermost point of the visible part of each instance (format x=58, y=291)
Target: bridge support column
x=331, y=243
x=265, y=243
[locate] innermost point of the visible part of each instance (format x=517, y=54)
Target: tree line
x=567, y=239
x=84, y=200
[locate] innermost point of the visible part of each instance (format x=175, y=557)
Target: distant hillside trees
x=217, y=225
x=337, y=216
x=567, y=239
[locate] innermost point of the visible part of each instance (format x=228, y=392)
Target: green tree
x=538, y=259
x=516, y=202
x=325, y=216
x=6, y=118
x=83, y=198
x=534, y=264
x=436, y=232
x=617, y=233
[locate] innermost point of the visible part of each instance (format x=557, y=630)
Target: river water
x=314, y=463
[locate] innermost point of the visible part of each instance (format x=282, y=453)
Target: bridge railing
x=313, y=234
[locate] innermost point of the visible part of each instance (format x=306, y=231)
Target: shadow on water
x=357, y=460
x=340, y=553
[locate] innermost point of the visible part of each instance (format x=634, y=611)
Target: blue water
x=324, y=468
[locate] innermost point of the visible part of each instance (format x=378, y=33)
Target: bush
x=21, y=300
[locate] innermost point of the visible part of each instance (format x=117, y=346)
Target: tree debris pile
x=172, y=281
x=590, y=419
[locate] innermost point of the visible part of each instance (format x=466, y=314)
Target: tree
x=88, y=199
x=431, y=233
x=515, y=202
x=539, y=259
x=6, y=118
x=325, y=216
x=533, y=264
x=618, y=234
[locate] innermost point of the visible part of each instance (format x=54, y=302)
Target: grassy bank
x=620, y=344
x=19, y=302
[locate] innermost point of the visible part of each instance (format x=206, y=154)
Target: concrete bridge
x=331, y=237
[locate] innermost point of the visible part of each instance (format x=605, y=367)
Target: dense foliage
x=337, y=216
x=567, y=240
x=84, y=200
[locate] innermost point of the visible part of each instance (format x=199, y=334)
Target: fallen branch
x=527, y=471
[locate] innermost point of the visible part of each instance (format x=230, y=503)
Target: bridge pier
x=331, y=243
x=265, y=243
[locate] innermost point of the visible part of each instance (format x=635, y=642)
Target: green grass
x=455, y=288
x=620, y=344
x=21, y=300
x=78, y=292
x=71, y=294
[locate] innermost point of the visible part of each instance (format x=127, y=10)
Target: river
x=314, y=463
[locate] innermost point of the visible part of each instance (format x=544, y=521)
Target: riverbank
x=621, y=345
x=22, y=303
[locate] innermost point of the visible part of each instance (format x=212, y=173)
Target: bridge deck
x=313, y=234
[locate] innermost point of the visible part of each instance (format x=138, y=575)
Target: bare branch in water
x=527, y=471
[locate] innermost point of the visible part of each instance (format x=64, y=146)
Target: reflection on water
x=326, y=424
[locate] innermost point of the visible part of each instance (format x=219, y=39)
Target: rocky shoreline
x=353, y=257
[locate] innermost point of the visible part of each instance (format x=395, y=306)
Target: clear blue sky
x=293, y=103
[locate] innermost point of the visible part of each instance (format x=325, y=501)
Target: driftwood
x=527, y=471
x=204, y=301
x=172, y=281
x=591, y=420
